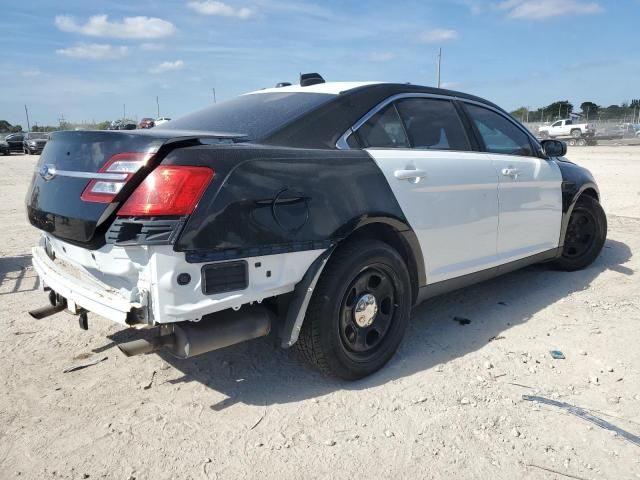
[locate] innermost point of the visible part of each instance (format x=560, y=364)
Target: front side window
x=499, y=134
x=384, y=130
x=433, y=124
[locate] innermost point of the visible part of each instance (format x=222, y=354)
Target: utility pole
x=26, y=110
x=124, y=111
x=214, y=94
x=158, y=105
x=439, y=71
x=528, y=108
x=559, y=111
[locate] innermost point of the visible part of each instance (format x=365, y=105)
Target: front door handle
x=412, y=175
x=510, y=172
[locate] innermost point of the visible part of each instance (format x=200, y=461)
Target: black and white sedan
x=321, y=211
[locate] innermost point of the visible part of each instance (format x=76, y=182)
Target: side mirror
x=554, y=148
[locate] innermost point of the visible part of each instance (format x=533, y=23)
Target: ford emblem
x=47, y=172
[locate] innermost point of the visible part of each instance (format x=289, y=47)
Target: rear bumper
x=140, y=283
x=104, y=302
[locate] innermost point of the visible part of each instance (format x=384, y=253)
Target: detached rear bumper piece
x=78, y=293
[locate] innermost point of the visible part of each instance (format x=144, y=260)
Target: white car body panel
x=530, y=206
x=332, y=88
x=453, y=209
x=113, y=279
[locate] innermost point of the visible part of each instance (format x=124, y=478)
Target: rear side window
x=499, y=134
x=433, y=124
x=384, y=130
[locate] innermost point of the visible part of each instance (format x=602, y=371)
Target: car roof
x=331, y=88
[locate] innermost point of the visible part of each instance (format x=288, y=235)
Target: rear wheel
x=585, y=237
x=359, y=311
x=576, y=133
x=572, y=142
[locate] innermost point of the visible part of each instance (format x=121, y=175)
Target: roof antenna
x=308, y=79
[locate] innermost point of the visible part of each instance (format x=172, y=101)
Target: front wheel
x=585, y=237
x=359, y=311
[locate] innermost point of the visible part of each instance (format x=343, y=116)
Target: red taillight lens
x=115, y=174
x=168, y=190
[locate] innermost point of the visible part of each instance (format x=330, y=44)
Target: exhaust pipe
x=44, y=312
x=188, y=339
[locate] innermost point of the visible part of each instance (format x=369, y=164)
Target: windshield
x=32, y=136
x=255, y=115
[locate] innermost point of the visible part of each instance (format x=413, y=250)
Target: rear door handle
x=510, y=172
x=412, y=175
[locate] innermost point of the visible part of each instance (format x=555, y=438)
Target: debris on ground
x=148, y=385
x=557, y=355
x=80, y=366
x=582, y=413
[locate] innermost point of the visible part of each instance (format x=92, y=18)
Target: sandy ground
x=449, y=405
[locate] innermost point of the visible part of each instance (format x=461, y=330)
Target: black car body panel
x=576, y=181
x=269, y=197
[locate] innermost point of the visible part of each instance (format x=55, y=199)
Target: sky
x=90, y=60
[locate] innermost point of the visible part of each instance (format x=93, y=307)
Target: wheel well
x=387, y=234
x=590, y=192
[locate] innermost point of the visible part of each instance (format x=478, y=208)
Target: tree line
x=589, y=111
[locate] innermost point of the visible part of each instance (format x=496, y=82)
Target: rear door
x=447, y=191
x=530, y=187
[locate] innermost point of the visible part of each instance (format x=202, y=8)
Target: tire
x=576, y=133
x=586, y=234
x=572, y=142
x=581, y=142
x=335, y=340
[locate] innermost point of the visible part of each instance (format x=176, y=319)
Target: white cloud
x=93, y=51
x=542, y=9
x=381, y=56
x=438, y=35
x=213, y=7
x=129, y=27
x=167, y=67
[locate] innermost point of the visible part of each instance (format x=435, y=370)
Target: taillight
x=168, y=190
x=114, y=174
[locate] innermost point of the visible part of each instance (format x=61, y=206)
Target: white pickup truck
x=567, y=128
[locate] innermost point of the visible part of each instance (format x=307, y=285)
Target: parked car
x=4, y=148
x=123, y=125
x=161, y=120
x=34, y=142
x=321, y=211
x=146, y=123
x=15, y=141
x=567, y=128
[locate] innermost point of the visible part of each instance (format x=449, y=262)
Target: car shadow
x=15, y=271
x=259, y=372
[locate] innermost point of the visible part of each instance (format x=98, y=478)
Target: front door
x=530, y=192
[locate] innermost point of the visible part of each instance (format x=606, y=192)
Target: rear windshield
x=38, y=135
x=256, y=115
